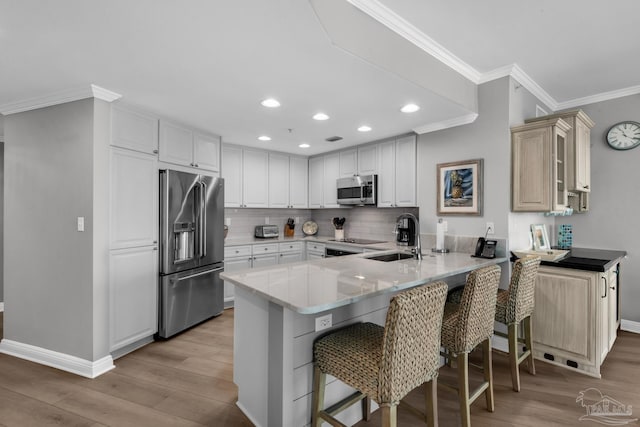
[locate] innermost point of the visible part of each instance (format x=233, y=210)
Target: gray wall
x=1, y=218
x=611, y=222
x=51, y=156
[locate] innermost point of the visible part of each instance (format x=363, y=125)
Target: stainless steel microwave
x=358, y=190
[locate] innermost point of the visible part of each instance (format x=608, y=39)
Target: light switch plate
x=80, y=223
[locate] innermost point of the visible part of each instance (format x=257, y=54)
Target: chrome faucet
x=417, y=250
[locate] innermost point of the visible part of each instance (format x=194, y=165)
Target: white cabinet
x=397, y=172
x=133, y=295
x=264, y=260
x=538, y=166
x=324, y=171
x=134, y=130
x=348, y=162
x=134, y=199
x=315, y=250
x=291, y=252
x=575, y=319
x=184, y=146
x=288, y=177
x=235, y=258
x=368, y=160
x=246, y=177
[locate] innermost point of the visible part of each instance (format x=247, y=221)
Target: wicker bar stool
x=467, y=325
x=384, y=364
x=514, y=308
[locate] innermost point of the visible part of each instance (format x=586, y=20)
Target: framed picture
x=540, y=237
x=460, y=188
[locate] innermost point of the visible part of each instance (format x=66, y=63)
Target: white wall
x=51, y=156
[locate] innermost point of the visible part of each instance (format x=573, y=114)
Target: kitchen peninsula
x=280, y=310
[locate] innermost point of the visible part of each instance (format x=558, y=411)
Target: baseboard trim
x=1, y=307
x=247, y=414
x=630, y=326
x=57, y=360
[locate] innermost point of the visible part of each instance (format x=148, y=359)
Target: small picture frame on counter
x=540, y=237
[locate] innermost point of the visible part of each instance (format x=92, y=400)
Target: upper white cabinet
x=323, y=174
x=246, y=177
x=578, y=148
x=288, y=177
x=348, y=162
x=538, y=166
x=134, y=130
x=134, y=199
x=186, y=147
x=397, y=172
x=368, y=160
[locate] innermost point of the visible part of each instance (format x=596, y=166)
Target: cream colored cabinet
x=397, y=172
x=134, y=130
x=574, y=324
x=324, y=172
x=578, y=148
x=538, y=166
x=246, y=177
x=288, y=177
x=184, y=146
x=614, y=305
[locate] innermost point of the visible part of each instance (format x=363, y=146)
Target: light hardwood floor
x=187, y=381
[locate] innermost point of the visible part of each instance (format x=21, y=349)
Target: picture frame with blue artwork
x=460, y=187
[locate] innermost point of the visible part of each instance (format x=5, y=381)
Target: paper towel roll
x=440, y=227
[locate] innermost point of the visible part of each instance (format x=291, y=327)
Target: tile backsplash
x=361, y=222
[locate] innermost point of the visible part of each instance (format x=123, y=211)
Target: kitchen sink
x=396, y=256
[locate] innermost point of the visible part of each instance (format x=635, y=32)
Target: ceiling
x=209, y=64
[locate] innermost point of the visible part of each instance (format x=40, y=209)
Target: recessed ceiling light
x=410, y=108
x=364, y=128
x=304, y=146
x=320, y=116
x=264, y=138
x=270, y=102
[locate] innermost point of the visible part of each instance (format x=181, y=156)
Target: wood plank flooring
x=187, y=381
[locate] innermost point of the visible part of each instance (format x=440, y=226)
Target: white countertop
x=302, y=238
x=315, y=286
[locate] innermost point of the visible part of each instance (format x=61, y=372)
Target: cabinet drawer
x=237, y=251
x=267, y=248
x=290, y=247
x=315, y=247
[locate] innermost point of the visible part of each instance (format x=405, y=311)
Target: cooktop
x=357, y=241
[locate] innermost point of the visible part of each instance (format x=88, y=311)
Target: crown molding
x=403, y=28
x=525, y=80
x=446, y=124
x=62, y=97
x=600, y=97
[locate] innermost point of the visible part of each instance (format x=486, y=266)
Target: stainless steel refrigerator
x=191, y=250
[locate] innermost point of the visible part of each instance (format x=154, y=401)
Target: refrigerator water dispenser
x=183, y=233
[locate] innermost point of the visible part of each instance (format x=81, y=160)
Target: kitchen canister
x=565, y=236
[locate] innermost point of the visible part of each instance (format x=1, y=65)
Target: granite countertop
x=587, y=259
x=315, y=286
x=302, y=238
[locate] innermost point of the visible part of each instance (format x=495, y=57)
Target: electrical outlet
x=324, y=322
x=490, y=228
x=297, y=220
x=80, y=223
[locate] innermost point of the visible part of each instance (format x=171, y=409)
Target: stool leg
x=319, y=383
x=389, y=415
x=488, y=373
x=513, y=356
x=431, y=394
x=528, y=339
x=366, y=408
x=463, y=388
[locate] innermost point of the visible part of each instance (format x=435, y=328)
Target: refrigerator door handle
x=191, y=276
x=203, y=219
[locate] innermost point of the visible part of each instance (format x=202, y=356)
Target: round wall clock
x=624, y=135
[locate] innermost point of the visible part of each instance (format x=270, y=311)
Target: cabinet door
x=278, y=181
x=316, y=182
x=331, y=174
x=265, y=260
x=134, y=130
x=406, y=171
x=231, y=265
x=603, y=315
x=134, y=199
x=232, y=174
x=315, y=255
x=613, y=306
x=290, y=257
x=255, y=179
x=582, y=156
x=176, y=144
x=206, y=152
x=368, y=160
x=348, y=163
x=133, y=295
x=298, y=182
x=531, y=170
x=387, y=174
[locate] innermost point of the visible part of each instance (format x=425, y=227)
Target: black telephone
x=485, y=248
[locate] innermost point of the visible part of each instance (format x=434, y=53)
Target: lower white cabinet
x=291, y=252
x=133, y=295
x=315, y=250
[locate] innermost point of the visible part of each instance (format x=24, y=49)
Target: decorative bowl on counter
x=545, y=254
x=309, y=228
